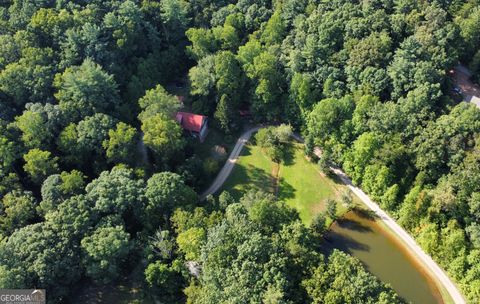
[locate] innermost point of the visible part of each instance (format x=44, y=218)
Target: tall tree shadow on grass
x=286, y=191
x=245, y=178
x=288, y=154
x=246, y=151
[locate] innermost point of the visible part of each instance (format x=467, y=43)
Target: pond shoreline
x=364, y=236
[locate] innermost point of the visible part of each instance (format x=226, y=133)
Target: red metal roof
x=191, y=122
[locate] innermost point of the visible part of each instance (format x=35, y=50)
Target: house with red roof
x=196, y=124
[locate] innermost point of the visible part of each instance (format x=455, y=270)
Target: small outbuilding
x=196, y=124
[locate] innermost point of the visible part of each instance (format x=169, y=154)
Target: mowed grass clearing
x=252, y=171
x=300, y=183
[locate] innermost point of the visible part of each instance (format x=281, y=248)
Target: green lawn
x=301, y=184
x=303, y=187
x=252, y=171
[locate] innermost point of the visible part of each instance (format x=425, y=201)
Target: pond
x=384, y=256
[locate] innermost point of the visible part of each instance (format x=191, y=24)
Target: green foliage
x=92, y=132
x=165, y=192
x=9, y=150
x=182, y=220
x=163, y=278
x=9, y=50
x=163, y=135
x=269, y=83
x=203, y=42
x=161, y=245
x=34, y=131
x=30, y=78
x=86, y=89
x=344, y=280
x=303, y=92
x=225, y=199
x=203, y=77
x=121, y=144
x=18, y=210
x=319, y=224
x=117, y=192
x=58, y=187
x=40, y=164
x=157, y=101
x=190, y=241
x=73, y=217
x=271, y=216
x=468, y=19
x=229, y=85
x=39, y=255
x=274, y=140
x=328, y=121
x=67, y=144
x=332, y=209
x=366, y=81
x=240, y=252
x=361, y=155
x=274, y=29
x=104, y=251
x=442, y=145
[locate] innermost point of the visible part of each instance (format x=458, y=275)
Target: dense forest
x=83, y=86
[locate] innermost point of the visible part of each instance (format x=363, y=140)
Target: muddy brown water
x=383, y=255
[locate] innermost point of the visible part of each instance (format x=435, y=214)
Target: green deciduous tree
x=190, y=242
x=329, y=120
x=203, y=42
x=91, y=132
x=163, y=135
x=40, y=255
x=344, y=280
x=319, y=224
x=165, y=192
x=118, y=192
x=121, y=145
x=331, y=209
x=229, y=85
x=104, y=251
x=164, y=278
x=40, y=164
x=9, y=50
x=303, y=92
x=58, y=187
x=158, y=101
x=274, y=29
x=18, y=210
x=34, y=131
x=274, y=140
x=9, y=151
x=362, y=153
x=86, y=89
x=29, y=79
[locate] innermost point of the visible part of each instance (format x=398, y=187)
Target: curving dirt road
x=435, y=270
x=229, y=164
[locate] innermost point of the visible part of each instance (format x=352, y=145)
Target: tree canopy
x=95, y=171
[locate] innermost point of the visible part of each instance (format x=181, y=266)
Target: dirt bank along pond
x=383, y=255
